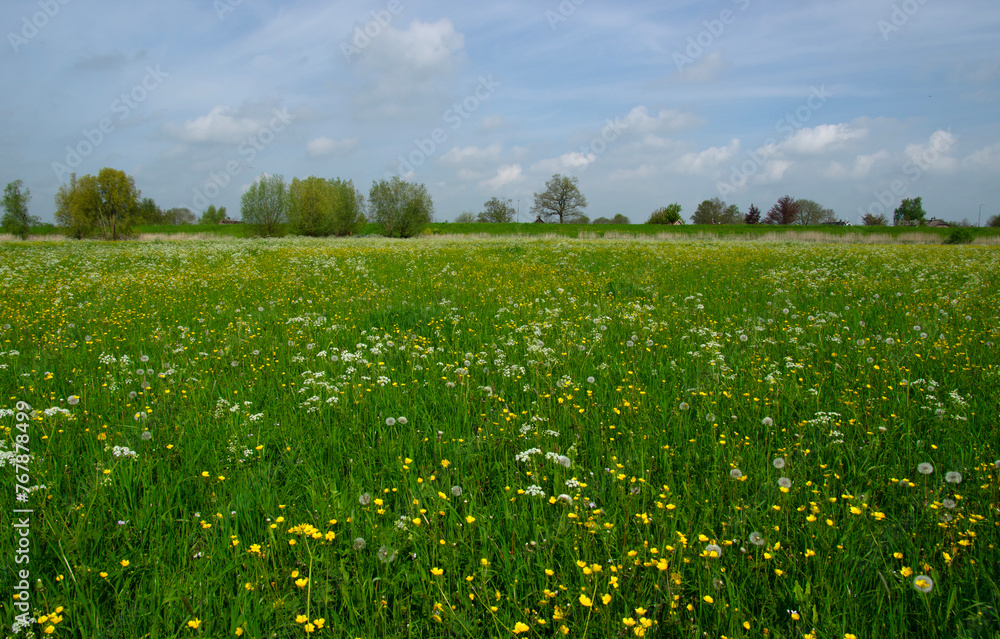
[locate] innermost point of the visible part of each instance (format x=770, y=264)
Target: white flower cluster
x=534, y=491
x=124, y=451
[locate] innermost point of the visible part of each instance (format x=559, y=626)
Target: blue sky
x=855, y=104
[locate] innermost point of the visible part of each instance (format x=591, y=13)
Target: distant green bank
x=875, y=234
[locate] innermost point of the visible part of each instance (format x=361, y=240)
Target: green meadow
x=506, y=436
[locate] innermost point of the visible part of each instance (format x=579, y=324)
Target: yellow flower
x=628, y=621
x=319, y=623
x=194, y=623
x=437, y=572
x=470, y=519
x=445, y=463
x=124, y=563
x=239, y=631
x=520, y=627
x=549, y=572
x=302, y=583
x=49, y=630
x=309, y=628
x=810, y=552
x=606, y=599
x=586, y=601
x=301, y=619
x=906, y=571
x=707, y=599
x=103, y=574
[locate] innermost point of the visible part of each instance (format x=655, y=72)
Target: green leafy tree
x=602, y=220
x=752, y=216
x=118, y=203
x=264, y=206
x=785, y=211
x=994, y=221
x=16, y=219
x=310, y=207
x=868, y=219
x=561, y=199
x=812, y=213
x=620, y=219
x=148, y=212
x=666, y=215
x=731, y=215
x=178, y=216
x=76, y=206
x=910, y=212
x=212, y=215
x=709, y=212
x=465, y=217
x=348, y=207
x=497, y=211
x=402, y=208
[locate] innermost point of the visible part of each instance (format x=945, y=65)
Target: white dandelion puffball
x=779, y=462
x=925, y=468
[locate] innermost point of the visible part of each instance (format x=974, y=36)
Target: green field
x=499, y=437
x=860, y=234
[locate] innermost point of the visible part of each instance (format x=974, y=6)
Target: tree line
x=109, y=206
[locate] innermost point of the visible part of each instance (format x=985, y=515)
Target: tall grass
x=503, y=437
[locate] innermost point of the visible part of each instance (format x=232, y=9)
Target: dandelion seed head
x=713, y=548
x=390, y=421
x=736, y=473
x=359, y=543
x=365, y=499
x=785, y=482
x=953, y=477
x=456, y=491
x=923, y=583
x=779, y=462
x=767, y=421
x=949, y=503
x=925, y=468
x=756, y=539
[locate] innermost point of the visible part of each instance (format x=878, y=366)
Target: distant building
x=937, y=223
x=229, y=221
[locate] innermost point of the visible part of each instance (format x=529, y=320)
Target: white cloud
x=818, y=139
x=327, y=146
x=706, y=69
x=461, y=156
x=986, y=157
x=505, y=175
x=711, y=158
x=772, y=171
x=491, y=123
x=404, y=70
x=934, y=154
x=861, y=168
x=639, y=121
x=221, y=125
x=574, y=160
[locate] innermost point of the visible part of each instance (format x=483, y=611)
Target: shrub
x=959, y=235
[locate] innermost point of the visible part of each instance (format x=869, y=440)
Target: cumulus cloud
x=505, y=175
x=323, y=145
x=819, y=139
x=571, y=161
x=709, y=159
x=934, y=155
x=404, y=70
x=222, y=125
